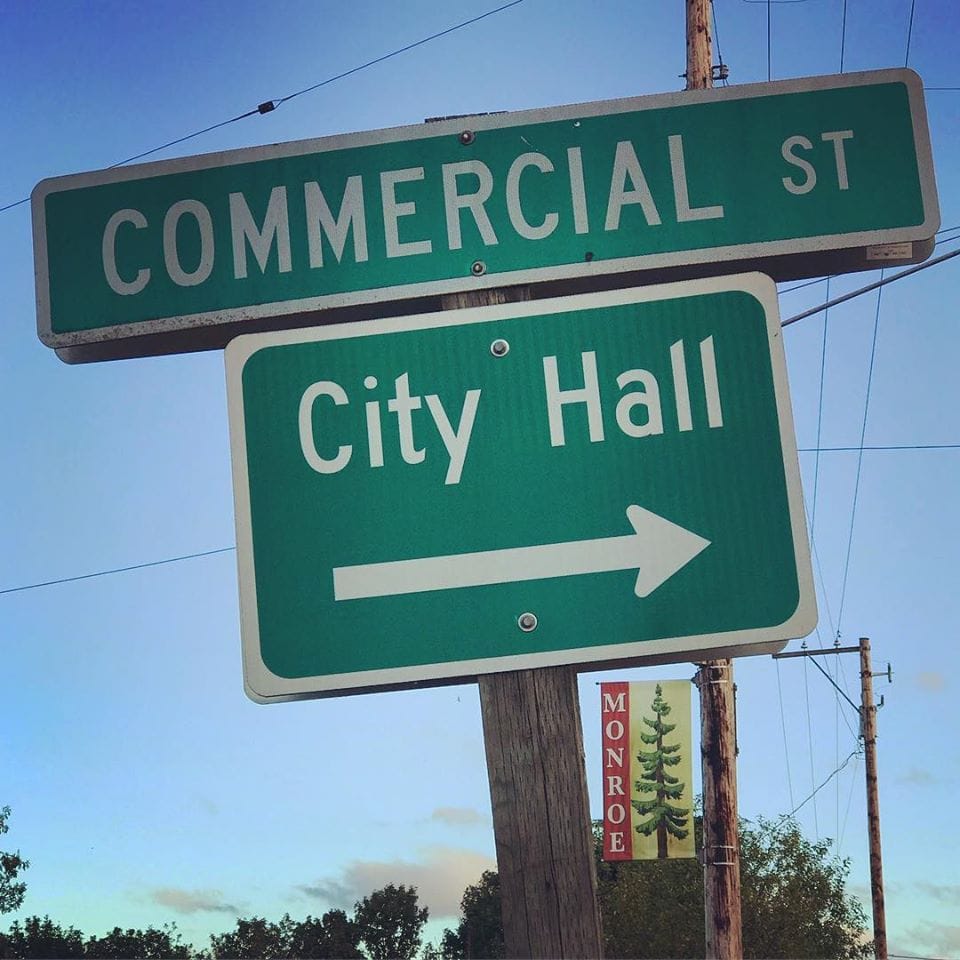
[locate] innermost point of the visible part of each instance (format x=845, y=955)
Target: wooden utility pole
x=699, y=45
x=868, y=733
x=538, y=791
x=721, y=837
x=868, y=729
x=541, y=815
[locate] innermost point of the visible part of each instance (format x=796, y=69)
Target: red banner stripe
x=615, y=720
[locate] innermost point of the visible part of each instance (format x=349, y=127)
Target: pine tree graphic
x=663, y=816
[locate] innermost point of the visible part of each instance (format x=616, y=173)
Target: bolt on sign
x=588, y=479
x=647, y=770
x=795, y=178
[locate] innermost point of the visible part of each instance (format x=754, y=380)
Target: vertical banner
x=647, y=770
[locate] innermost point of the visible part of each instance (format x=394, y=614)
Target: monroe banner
x=647, y=770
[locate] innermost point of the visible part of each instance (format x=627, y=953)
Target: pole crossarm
x=812, y=653
x=816, y=652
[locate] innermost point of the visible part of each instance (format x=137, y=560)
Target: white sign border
x=264, y=686
x=737, y=252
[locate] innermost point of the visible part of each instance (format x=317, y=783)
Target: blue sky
x=145, y=786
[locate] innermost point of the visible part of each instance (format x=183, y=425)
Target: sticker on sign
x=603, y=478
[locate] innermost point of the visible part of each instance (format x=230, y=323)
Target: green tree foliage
x=794, y=902
x=663, y=817
x=41, y=938
x=12, y=890
x=793, y=897
x=255, y=937
x=480, y=930
x=334, y=936
x=389, y=922
x=149, y=944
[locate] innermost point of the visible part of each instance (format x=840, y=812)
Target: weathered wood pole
x=699, y=45
x=538, y=790
x=721, y=837
x=868, y=728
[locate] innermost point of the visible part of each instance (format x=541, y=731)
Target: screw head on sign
x=478, y=268
x=499, y=348
x=467, y=137
x=527, y=622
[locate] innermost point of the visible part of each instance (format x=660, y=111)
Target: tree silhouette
x=12, y=865
x=389, y=922
x=663, y=816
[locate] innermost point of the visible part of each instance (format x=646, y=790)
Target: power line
x=769, y=68
x=268, y=106
x=783, y=728
x=810, y=283
x=105, y=573
x=806, y=688
x=846, y=815
x=871, y=286
x=806, y=800
x=823, y=583
x=863, y=431
x=888, y=447
x=823, y=366
x=913, y=7
x=209, y=553
x=409, y=46
x=716, y=36
x=843, y=34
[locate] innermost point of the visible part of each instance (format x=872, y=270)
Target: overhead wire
x=105, y=573
x=856, y=485
x=823, y=365
x=843, y=34
x=823, y=583
x=783, y=728
x=769, y=65
x=882, y=282
x=816, y=280
x=806, y=690
x=913, y=7
x=846, y=815
x=807, y=799
x=207, y=553
x=409, y=46
x=268, y=106
x=881, y=447
x=716, y=37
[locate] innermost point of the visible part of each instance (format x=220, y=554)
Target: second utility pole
x=721, y=837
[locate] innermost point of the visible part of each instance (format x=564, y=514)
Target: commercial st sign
x=588, y=479
x=796, y=178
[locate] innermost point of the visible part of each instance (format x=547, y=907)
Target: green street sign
x=599, y=478
x=796, y=178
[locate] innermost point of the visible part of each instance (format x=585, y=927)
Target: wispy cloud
x=918, y=777
x=861, y=892
x=192, y=901
x=459, y=817
x=947, y=893
x=931, y=680
x=440, y=879
x=939, y=938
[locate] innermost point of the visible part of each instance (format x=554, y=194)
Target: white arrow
x=657, y=549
